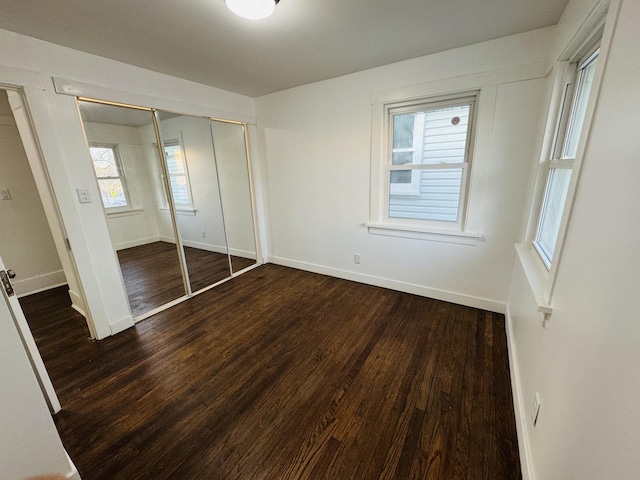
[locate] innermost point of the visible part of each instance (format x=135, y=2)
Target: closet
x=176, y=191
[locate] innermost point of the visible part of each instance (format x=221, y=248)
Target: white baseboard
x=136, y=243
x=444, y=295
x=121, y=325
x=518, y=404
x=40, y=283
x=77, y=303
x=214, y=248
x=73, y=474
x=243, y=253
x=205, y=246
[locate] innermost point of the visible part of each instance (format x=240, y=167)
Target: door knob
x=11, y=274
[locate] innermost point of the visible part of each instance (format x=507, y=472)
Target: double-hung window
x=178, y=174
x=111, y=181
x=560, y=166
x=427, y=159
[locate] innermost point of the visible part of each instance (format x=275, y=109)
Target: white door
x=28, y=342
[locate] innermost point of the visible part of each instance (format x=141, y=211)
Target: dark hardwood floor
x=152, y=274
x=284, y=374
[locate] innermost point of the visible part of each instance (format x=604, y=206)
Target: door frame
x=33, y=152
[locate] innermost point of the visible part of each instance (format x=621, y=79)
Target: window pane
x=180, y=189
x=400, y=176
x=403, y=130
x=441, y=136
x=555, y=197
x=112, y=193
x=585, y=80
x=437, y=199
x=445, y=135
x=104, y=162
x=175, y=160
x=402, y=158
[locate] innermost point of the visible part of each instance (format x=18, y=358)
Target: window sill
x=181, y=211
x=536, y=278
x=125, y=213
x=418, y=233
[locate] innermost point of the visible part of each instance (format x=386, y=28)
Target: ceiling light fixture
x=253, y=9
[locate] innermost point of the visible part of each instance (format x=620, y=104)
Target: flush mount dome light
x=253, y=9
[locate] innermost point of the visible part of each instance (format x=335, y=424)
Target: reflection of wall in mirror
x=150, y=220
x=234, y=185
x=194, y=134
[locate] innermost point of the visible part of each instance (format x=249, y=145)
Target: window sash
x=416, y=167
x=577, y=91
x=433, y=204
x=102, y=179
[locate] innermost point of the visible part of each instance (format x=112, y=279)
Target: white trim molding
x=121, y=325
x=417, y=233
x=39, y=283
x=518, y=404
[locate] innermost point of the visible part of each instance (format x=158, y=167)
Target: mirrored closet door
x=230, y=144
x=191, y=167
x=123, y=149
x=176, y=191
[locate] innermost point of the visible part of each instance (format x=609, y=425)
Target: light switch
x=83, y=195
x=4, y=194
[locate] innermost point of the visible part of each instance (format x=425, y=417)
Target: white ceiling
x=302, y=42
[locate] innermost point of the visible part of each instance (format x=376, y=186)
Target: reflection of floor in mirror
x=152, y=275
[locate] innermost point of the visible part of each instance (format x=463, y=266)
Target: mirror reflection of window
x=106, y=163
x=178, y=173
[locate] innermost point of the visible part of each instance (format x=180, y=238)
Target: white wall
x=29, y=442
x=26, y=243
x=30, y=63
x=316, y=139
x=585, y=362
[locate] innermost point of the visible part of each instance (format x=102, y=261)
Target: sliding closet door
x=235, y=190
x=193, y=176
x=123, y=148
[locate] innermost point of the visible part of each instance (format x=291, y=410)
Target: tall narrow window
x=178, y=173
x=560, y=166
x=429, y=153
x=106, y=163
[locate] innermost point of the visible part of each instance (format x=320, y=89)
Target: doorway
x=32, y=238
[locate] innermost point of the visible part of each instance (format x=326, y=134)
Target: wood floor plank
x=153, y=277
x=284, y=374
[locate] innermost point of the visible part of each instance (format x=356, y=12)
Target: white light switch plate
x=83, y=195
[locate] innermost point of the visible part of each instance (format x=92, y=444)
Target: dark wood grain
x=152, y=274
x=284, y=374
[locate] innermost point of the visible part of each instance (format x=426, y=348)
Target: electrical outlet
x=356, y=258
x=535, y=409
x=204, y=234
x=83, y=195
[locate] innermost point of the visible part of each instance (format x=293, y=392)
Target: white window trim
x=125, y=213
x=558, y=159
x=542, y=279
x=122, y=177
x=465, y=230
